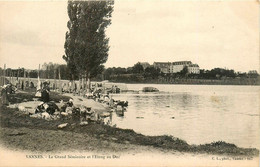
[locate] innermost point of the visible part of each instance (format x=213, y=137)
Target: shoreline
x=184, y=83
x=15, y=124
x=230, y=82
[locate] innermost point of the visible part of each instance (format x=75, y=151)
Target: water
x=197, y=114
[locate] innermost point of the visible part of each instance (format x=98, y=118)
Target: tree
x=86, y=45
x=253, y=74
x=184, y=71
x=151, y=72
x=138, y=68
x=129, y=70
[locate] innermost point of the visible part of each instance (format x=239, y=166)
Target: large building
x=163, y=66
x=145, y=64
x=175, y=67
x=178, y=66
x=193, y=69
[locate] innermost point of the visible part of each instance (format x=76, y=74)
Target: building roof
x=161, y=63
x=181, y=62
x=193, y=65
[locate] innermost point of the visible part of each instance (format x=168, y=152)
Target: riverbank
x=196, y=80
x=21, y=132
x=171, y=81
x=236, y=81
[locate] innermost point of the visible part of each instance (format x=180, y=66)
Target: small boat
x=150, y=89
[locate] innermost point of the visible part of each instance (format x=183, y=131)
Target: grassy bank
x=29, y=93
x=19, y=131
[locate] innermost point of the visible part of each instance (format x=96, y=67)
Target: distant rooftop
x=181, y=62
x=193, y=65
x=161, y=62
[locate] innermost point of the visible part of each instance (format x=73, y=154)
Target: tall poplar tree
x=86, y=45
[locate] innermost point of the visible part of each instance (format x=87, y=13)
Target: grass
x=29, y=94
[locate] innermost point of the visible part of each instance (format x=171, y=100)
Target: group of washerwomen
x=108, y=100
x=11, y=89
x=81, y=113
x=102, y=96
x=95, y=94
x=5, y=91
x=43, y=91
x=70, y=87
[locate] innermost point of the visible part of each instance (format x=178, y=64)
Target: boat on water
x=150, y=89
x=110, y=87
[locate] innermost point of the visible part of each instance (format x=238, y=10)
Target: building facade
x=179, y=65
x=175, y=67
x=163, y=66
x=193, y=69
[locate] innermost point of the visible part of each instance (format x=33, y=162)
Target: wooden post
x=79, y=88
x=102, y=77
x=39, y=70
x=24, y=74
x=79, y=82
x=18, y=78
x=47, y=72
x=24, y=78
x=55, y=83
x=18, y=72
x=88, y=85
x=28, y=77
x=83, y=82
x=60, y=81
x=9, y=74
x=73, y=86
x=4, y=73
x=11, y=77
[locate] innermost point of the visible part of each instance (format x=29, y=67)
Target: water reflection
x=197, y=116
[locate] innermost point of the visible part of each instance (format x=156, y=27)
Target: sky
x=208, y=33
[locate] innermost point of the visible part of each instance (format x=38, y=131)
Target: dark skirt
x=45, y=96
x=4, y=99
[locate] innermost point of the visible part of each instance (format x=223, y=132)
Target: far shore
x=245, y=82
x=231, y=82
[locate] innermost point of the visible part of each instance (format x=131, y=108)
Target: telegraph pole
x=55, y=83
x=4, y=73
x=39, y=70
x=59, y=81
x=18, y=73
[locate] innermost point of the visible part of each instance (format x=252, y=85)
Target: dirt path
x=58, y=143
x=41, y=140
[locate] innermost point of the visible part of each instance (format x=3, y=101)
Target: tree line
x=151, y=74
x=46, y=71
x=135, y=73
